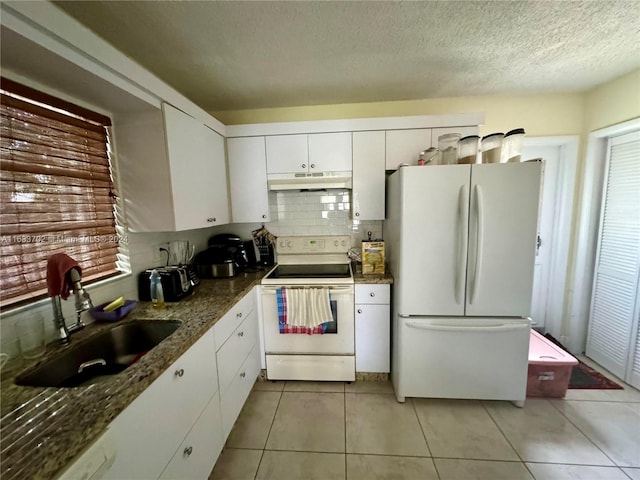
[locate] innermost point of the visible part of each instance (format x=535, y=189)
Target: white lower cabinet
x=373, y=328
x=238, y=358
x=177, y=427
x=196, y=455
x=148, y=432
x=233, y=398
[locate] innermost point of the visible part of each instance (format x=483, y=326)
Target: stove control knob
x=343, y=243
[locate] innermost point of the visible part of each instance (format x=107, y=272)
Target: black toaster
x=175, y=281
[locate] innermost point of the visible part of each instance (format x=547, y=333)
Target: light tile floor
x=332, y=430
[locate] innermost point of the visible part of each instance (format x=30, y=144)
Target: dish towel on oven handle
x=303, y=310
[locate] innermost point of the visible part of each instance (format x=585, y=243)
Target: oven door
x=341, y=343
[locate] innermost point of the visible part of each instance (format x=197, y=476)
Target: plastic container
x=119, y=313
x=157, y=294
x=468, y=149
x=432, y=156
x=448, y=145
x=492, y=148
x=549, y=368
x=512, y=146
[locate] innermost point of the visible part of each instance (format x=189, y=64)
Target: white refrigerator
x=461, y=242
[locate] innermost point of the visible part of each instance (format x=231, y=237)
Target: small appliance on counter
x=226, y=256
x=175, y=279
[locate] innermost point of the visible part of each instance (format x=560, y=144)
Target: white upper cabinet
x=404, y=146
x=287, y=154
x=248, y=179
x=330, y=152
x=172, y=170
x=368, y=175
x=317, y=152
x=198, y=171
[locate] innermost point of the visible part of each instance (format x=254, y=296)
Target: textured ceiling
x=241, y=54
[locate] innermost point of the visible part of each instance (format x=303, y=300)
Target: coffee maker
x=226, y=256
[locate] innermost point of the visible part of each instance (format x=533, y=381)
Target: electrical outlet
x=159, y=255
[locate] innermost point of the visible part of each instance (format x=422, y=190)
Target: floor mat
x=585, y=377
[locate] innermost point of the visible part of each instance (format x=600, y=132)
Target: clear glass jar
x=448, y=145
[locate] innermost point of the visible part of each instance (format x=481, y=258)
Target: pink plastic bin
x=549, y=368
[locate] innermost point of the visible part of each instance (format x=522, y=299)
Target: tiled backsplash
x=326, y=212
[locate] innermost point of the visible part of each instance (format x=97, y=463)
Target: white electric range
x=311, y=262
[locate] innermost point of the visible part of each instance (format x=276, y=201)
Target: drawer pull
x=372, y=294
x=188, y=451
x=242, y=375
x=304, y=165
x=359, y=310
x=179, y=373
x=241, y=334
x=239, y=314
x=211, y=219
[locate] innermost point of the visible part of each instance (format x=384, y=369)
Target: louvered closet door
x=613, y=339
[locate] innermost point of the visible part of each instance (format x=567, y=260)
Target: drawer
x=235, y=350
x=197, y=454
x=373, y=293
x=230, y=321
x=232, y=400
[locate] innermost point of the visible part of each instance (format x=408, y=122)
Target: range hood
x=309, y=181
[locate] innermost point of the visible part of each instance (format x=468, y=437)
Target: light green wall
x=539, y=115
x=612, y=103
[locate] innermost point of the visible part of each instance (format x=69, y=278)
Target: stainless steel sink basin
x=101, y=356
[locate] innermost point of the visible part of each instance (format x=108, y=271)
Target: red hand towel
x=58, y=266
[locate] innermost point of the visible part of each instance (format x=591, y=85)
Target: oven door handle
x=272, y=289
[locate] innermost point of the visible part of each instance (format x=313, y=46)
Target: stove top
x=307, y=260
x=311, y=271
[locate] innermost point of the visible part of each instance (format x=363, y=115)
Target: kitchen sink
x=101, y=356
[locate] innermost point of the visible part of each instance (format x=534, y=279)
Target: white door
x=404, y=146
x=330, y=152
x=503, y=222
x=368, y=175
x=433, y=242
x=613, y=319
x=546, y=234
x=248, y=179
x=287, y=154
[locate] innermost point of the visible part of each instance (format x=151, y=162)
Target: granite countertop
x=43, y=429
x=359, y=277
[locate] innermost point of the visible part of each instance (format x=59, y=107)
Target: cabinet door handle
x=357, y=214
x=179, y=373
x=304, y=165
x=372, y=294
x=264, y=216
x=211, y=219
x=243, y=374
x=241, y=334
x=239, y=314
x=313, y=165
x=188, y=451
x=359, y=310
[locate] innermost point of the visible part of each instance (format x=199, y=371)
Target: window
x=57, y=192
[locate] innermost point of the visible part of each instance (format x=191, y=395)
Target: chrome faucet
x=82, y=304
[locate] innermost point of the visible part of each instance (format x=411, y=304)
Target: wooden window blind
x=56, y=192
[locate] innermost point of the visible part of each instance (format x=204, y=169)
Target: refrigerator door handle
x=463, y=228
x=479, y=239
x=502, y=327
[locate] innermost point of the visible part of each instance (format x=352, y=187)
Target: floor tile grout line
x=344, y=406
x=264, y=447
x=588, y=437
x=424, y=434
x=515, y=450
